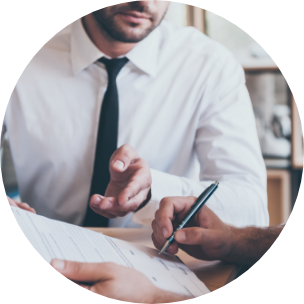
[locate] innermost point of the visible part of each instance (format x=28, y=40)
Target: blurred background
x=277, y=119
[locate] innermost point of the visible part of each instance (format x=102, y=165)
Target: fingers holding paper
x=114, y=281
x=21, y=205
x=129, y=185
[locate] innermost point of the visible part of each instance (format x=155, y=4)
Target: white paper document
x=55, y=239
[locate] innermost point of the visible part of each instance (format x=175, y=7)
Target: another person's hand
x=205, y=237
x=114, y=281
x=20, y=205
x=129, y=185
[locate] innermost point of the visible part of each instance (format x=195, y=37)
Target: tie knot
x=113, y=66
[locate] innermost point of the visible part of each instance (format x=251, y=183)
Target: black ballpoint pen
x=199, y=203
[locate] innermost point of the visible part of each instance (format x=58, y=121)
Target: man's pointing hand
x=129, y=185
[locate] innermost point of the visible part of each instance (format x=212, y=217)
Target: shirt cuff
x=163, y=184
x=232, y=204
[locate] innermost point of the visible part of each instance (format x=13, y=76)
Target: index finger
x=122, y=157
x=140, y=181
x=170, y=209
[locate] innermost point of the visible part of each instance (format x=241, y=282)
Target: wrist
x=145, y=202
x=250, y=243
x=231, y=241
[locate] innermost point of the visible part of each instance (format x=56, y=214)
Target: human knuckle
x=135, y=183
x=146, y=180
x=138, y=162
x=75, y=267
x=122, y=152
x=126, y=149
x=109, y=265
x=158, y=217
x=190, y=199
x=131, y=189
x=154, y=239
x=135, y=205
x=125, y=154
x=163, y=202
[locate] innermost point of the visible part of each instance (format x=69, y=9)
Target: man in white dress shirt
x=185, y=120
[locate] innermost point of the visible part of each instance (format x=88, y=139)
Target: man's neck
x=103, y=41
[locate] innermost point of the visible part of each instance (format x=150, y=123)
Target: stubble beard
x=107, y=24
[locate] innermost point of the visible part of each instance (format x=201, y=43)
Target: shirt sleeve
x=228, y=151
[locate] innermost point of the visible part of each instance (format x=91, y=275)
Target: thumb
x=83, y=272
x=122, y=158
x=191, y=236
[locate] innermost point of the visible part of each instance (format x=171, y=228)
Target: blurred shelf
x=252, y=64
x=296, y=137
x=261, y=69
x=279, y=194
x=277, y=163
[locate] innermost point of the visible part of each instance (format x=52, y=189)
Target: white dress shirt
x=183, y=106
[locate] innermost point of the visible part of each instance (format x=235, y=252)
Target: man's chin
x=130, y=33
x=120, y=29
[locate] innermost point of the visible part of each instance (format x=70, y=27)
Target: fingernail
x=180, y=236
x=97, y=201
x=118, y=164
x=58, y=264
x=165, y=232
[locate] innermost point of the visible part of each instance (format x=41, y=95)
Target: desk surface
x=214, y=274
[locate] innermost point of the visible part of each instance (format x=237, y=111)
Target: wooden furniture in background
x=283, y=174
x=296, y=137
x=278, y=190
x=196, y=18
x=214, y=274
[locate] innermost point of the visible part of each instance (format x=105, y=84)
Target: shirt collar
x=84, y=52
x=144, y=55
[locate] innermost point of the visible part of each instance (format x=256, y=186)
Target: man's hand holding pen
x=206, y=237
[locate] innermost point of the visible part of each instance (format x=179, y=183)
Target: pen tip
x=216, y=183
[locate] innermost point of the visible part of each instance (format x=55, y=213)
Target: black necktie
x=106, y=140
